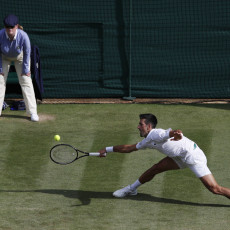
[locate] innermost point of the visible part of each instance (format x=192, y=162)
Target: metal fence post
x=130, y=98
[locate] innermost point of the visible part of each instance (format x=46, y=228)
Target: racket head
x=63, y=154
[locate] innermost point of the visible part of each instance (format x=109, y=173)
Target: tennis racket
x=65, y=154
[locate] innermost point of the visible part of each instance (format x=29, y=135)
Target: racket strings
x=63, y=154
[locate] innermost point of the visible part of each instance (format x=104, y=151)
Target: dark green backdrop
x=179, y=48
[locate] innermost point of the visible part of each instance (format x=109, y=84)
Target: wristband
x=109, y=149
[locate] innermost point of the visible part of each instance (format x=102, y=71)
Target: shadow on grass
x=15, y=116
x=86, y=196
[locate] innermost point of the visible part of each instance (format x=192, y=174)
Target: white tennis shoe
x=126, y=191
x=34, y=117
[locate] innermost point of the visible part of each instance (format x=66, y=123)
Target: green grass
x=36, y=194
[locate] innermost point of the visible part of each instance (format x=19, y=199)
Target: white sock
x=135, y=185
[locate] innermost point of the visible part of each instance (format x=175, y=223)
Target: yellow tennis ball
x=57, y=138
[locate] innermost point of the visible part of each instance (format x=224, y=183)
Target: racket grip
x=96, y=154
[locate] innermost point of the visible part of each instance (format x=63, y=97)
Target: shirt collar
x=14, y=35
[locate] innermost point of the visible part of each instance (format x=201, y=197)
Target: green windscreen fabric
x=105, y=48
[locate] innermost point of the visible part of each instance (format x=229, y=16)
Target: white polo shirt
x=159, y=139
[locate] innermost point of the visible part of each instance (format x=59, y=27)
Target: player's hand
x=26, y=74
x=102, y=153
x=176, y=135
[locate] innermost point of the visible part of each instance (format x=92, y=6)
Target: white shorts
x=199, y=168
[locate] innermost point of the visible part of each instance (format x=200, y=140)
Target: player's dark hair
x=149, y=119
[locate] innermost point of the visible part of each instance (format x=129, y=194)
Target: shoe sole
x=35, y=120
x=131, y=194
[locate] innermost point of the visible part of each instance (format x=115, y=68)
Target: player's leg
x=164, y=165
x=202, y=172
x=211, y=184
x=3, y=79
x=27, y=89
x=2, y=90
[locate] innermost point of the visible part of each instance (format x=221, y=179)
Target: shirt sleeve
x=142, y=144
x=158, y=135
x=1, y=34
x=26, y=54
x=0, y=62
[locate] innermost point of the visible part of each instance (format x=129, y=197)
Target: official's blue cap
x=10, y=20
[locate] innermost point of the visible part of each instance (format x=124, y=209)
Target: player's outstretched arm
x=119, y=149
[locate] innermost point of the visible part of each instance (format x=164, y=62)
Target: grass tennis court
x=36, y=194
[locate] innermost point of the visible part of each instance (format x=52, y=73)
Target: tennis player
x=180, y=152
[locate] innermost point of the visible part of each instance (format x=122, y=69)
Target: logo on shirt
x=18, y=47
